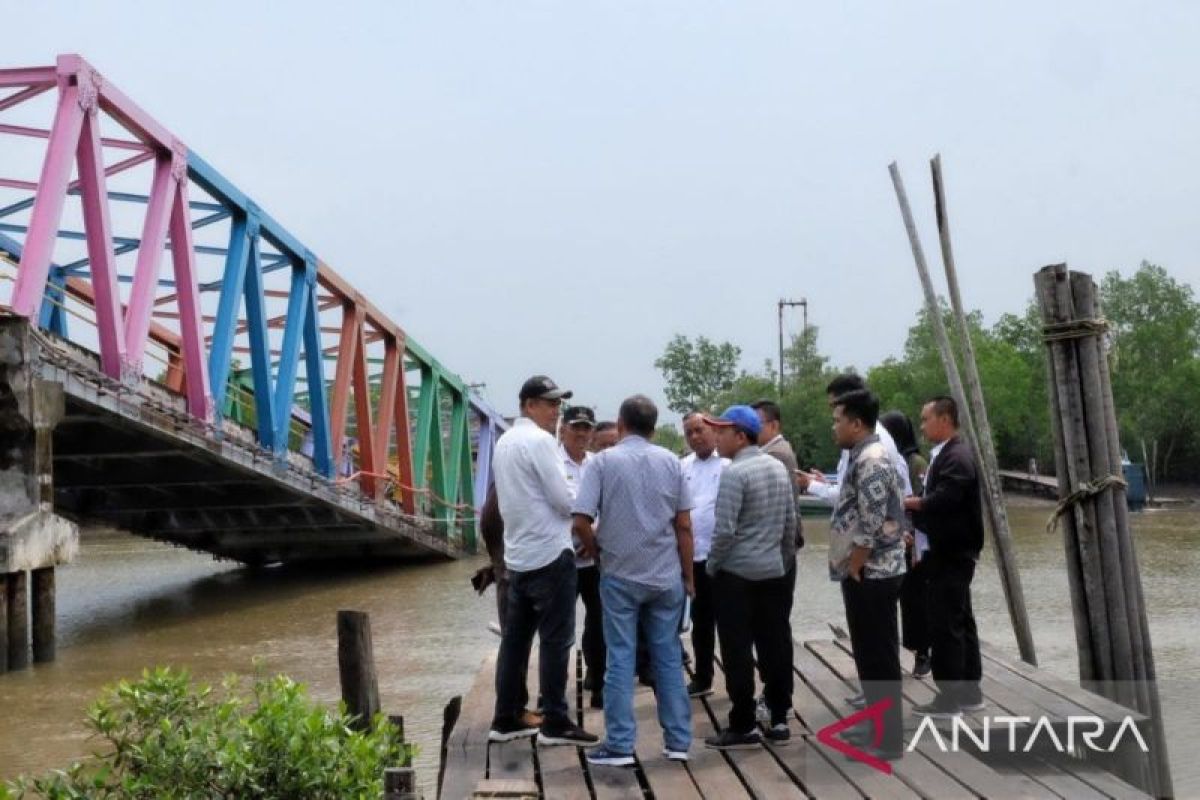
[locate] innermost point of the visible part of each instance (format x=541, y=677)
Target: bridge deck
x=132, y=457
x=802, y=768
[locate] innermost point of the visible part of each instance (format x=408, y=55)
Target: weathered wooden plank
x=511, y=760
x=763, y=775
x=1100, y=779
x=666, y=778
x=1093, y=703
x=965, y=768
x=560, y=768
x=618, y=783
x=916, y=769
x=831, y=691
x=1061, y=783
x=467, y=747
x=710, y=769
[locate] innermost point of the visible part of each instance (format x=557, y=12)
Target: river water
x=128, y=603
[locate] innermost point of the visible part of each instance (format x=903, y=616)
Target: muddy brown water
x=128, y=603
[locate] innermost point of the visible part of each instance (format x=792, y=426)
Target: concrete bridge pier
x=33, y=539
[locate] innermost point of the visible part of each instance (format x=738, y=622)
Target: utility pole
x=803, y=303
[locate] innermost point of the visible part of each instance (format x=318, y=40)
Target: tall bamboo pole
x=1009, y=576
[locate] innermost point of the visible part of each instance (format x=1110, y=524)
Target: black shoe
x=942, y=707
x=728, y=740
x=877, y=752
x=505, y=730
x=698, y=689
x=922, y=666
x=779, y=733
x=857, y=701
x=566, y=733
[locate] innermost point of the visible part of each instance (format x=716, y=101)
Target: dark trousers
x=540, y=601
x=957, y=668
x=914, y=607
x=704, y=624
x=752, y=616
x=588, y=589
x=874, y=635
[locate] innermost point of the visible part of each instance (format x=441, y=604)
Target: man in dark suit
x=950, y=513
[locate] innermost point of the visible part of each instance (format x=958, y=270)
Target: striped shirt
x=756, y=518
x=636, y=489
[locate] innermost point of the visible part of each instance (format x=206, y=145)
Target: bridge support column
x=42, y=614
x=32, y=536
x=18, y=620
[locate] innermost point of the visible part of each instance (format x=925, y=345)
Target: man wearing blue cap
x=752, y=548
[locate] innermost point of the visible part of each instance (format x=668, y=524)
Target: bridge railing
x=114, y=190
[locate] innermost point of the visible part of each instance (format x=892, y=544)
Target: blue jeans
x=660, y=611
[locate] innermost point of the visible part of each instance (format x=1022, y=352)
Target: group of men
x=589, y=510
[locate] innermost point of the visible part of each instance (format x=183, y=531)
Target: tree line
x=1153, y=343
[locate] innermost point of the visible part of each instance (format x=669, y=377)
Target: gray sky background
x=560, y=187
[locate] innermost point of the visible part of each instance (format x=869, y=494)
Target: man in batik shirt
x=866, y=555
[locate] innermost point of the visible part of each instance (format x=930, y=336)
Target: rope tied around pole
x=1074, y=329
x=1086, y=490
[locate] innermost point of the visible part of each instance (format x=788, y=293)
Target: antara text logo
x=1023, y=733
x=1015, y=734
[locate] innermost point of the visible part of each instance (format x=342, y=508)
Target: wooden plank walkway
x=803, y=768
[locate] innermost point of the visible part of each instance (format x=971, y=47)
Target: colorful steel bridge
x=249, y=402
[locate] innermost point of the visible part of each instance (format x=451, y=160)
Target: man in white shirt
x=535, y=504
x=702, y=471
x=574, y=437
x=814, y=482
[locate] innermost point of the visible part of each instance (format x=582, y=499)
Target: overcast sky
x=560, y=187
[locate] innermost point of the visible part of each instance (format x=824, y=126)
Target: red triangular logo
x=828, y=735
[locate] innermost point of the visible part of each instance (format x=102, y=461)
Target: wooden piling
x=1006, y=560
x=356, y=666
x=1010, y=579
x=450, y=715
x=18, y=620
x=3, y=623
x=1115, y=650
x=399, y=783
x=43, y=613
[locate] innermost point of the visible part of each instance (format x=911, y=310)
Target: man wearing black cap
x=535, y=503
x=574, y=437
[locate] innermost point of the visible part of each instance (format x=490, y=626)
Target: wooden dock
x=802, y=768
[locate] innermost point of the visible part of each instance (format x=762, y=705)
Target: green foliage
x=1155, y=361
x=803, y=406
x=167, y=737
x=669, y=437
x=1155, y=337
x=695, y=372
x=1012, y=373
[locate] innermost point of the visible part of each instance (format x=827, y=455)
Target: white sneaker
x=494, y=627
x=675, y=755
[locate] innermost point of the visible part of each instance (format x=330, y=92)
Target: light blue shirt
x=635, y=489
